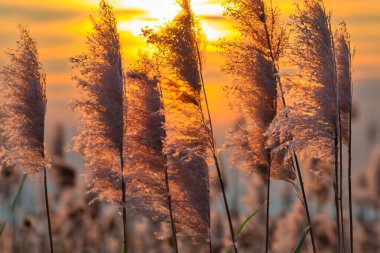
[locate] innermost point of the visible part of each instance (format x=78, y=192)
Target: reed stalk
x=304, y=199
x=341, y=181
x=123, y=203
x=212, y=142
x=268, y=197
x=336, y=191
x=349, y=182
x=174, y=231
x=278, y=80
x=221, y=181
x=48, y=211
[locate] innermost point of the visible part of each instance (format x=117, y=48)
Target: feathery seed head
x=101, y=86
x=309, y=122
x=143, y=141
x=24, y=106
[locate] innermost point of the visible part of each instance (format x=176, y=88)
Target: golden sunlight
x=145, y=125
x=152, y=14
x=156, y=12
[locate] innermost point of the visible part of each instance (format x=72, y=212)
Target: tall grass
x=24, y=108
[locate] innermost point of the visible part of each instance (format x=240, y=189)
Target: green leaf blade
x=245, y=222
x=302, y=239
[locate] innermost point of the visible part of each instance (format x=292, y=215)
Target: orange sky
x=60, y=27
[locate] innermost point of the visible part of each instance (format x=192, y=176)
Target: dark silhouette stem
x=349, y=183
x=278, y=80
x=48, y=211
x=268, y=197
x=336, y=190
x=341, y=181
x=304, y=200
x=221, y=181
x=123, y=203
x=174, y=231
x=212, y=138
x=336, y=142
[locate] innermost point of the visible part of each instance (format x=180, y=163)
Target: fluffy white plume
x=23, y=106
x=143, y=144
x=250, y=19
x=100, y=84
x=187, y=140
x=249, y=59
x=186, y=149
x=255, y=95
x=310, y=118
x=343, y=56
x=177, y=43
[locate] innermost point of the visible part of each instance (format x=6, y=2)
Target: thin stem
x=278, y=80
x=221, y=181
x=174, y=231
x=341, y=181
x=268, y=197
x=121, y=149
x=304, y=200
x=48, y=211
x=209, y=223
x=297, y=166
x=123, y=203
x=336, y=190
x=216, y=160
x=212, y=141
x=337, y=135
x=349, y=184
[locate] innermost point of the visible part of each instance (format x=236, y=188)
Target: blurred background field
x=60, y=28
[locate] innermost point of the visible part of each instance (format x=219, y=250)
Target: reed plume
x=187, y=154
x=311, y=93
x=100, y=83
x=343, y=58
x=24, y=108
x=253, y=59
x=254, y=93
x=187, y=141
x=145, y=178
x=259, y=26
x=311, y=116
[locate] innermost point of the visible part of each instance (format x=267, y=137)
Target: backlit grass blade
x=302, y=239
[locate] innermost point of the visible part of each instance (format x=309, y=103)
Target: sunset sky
x=60, y=28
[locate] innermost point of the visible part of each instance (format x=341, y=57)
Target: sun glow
x=154, y=13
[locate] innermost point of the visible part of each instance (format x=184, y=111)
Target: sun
x=155, y=12
x=152, y=13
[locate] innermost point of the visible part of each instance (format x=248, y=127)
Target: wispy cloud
x=37, y=14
